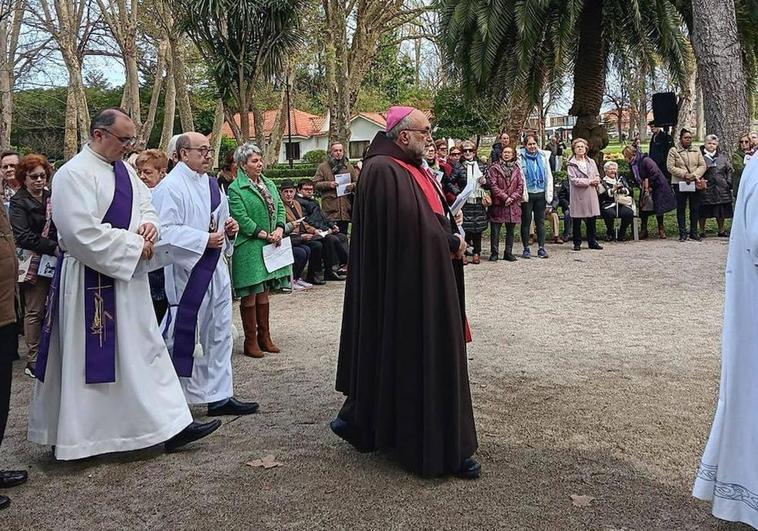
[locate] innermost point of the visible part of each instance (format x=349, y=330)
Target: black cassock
x=402, y=359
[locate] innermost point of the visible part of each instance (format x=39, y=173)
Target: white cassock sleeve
x=178, y=239
x=109, y=251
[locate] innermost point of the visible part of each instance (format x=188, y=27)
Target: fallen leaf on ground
x=266, y=462
x=581, y=501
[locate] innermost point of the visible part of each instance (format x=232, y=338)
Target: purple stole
x=192, y=297
x=99, y=298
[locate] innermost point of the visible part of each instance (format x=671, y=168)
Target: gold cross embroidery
x=97, y=327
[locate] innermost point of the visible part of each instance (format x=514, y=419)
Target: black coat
x=402, y=357
x=660, y=144
x=27, y=217
x=453, y=184
x=313, y=214
x=718, y=174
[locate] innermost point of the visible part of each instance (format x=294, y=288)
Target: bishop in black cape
x=402, y=359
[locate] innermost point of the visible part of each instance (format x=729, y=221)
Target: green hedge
x=298, y=172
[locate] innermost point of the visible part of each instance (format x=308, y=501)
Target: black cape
x=402, y=360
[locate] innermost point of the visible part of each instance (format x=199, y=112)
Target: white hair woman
x=716, y=199
x=255, y=203
x=616, y=201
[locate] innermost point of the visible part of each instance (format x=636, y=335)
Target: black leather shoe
x=316, y=281
x=11, y=478
x=493, y=257
x=192, y=433
x=595, y=247
x=5, y=502
x=332, y=275
x=345, y=431
x=233, y=407
x=577, y=248
x=470, y=469
x=696, y=238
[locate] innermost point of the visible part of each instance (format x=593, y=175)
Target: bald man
x=197, y=232
x=402, y=358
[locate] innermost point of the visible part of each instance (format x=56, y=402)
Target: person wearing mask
x=656, y=197
x=660, y=145
x=584, y=180
x=716, y=200
x=336, y=207
x=507, y=189
x=615, y=202
x=687, y=166
x=474, y=210
x=497, y=148
x=34, y=230
x=538, y=192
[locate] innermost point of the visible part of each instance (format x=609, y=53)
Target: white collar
x=183, y=170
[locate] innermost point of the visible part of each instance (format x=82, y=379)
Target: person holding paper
x=255, y=203
x=402, y=358
x=687, y=167
x=335, y=243
x=197, y=233
x=654, y=185
x=334, y=180
x=34, y=230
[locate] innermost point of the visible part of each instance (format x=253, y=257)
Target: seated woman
x=716, y=200
x=615, y=202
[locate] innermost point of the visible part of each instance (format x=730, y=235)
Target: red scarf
x=427, y=183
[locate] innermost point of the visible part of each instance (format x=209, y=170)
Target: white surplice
x=728, y=472
x=183, y=203
x=145, y=405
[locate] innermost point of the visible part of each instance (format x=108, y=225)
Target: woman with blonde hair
x=584, y=180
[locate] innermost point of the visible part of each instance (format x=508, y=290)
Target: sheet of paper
x=462, y=197
x=323, y=233
x=439, y=175
x=687, y=187
x=24, y=261
x=46, y=266
x=343, y=181
x=276, y=257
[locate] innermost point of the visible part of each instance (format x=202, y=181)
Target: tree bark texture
x=720, y=70
x=10, y=29
x=589, y=79
x=218, y=123
x=180, y=85
x=169, y=105
x=687, y=115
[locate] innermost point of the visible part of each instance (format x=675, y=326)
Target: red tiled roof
x=303, y=124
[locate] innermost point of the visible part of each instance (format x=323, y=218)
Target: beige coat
x=682, y=161
x=8, y=271
x=335, y=208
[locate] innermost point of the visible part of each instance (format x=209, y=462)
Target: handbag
x=486, y=199
x=646, y=203
x=701, y=184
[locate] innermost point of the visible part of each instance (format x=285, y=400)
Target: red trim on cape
x=427, y=183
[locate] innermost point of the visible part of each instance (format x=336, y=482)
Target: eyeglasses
x=203, y=150
x=426, y=132
x=455, y=153
x=125, y=140
x=37, y=176
x=744, y=141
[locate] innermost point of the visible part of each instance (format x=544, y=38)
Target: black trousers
x=625, y=214
x=681, y=204
x=474, y=239
x=510, y=229
x=591, y=231
x=8, y=347
x=343, y=226
x=335, y=250
x=536, y=205
x=644, y=217
x=315, y=260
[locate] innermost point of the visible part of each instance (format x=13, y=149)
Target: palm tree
x=505, y=47
x=243, y=42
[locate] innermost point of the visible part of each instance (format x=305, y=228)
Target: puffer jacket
x=718, y=174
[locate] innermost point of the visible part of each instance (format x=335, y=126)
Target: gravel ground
x=593, y=373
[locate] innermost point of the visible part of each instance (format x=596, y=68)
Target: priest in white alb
x=728, y=471
x=106, y=383
x=196, y=234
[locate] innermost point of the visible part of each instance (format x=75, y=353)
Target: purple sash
x=99, y=298
x=192, y=297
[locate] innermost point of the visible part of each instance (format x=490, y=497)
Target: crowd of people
x=195, y=243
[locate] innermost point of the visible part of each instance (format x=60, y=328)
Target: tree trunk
x=70, y=132
x=6, y=87
x=169, y=105
x=515, y=112
x=180, y=85
x=218, y=123
x=642, y=116
x=236, y=131
x=700, y=124
x=589, y=79
x=277, y=132
x=720, y=71
x=687, y=115
x=147, y=128
x=259, y=134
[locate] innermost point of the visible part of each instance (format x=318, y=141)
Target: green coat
x=247, y=206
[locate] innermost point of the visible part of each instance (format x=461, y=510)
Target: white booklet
x=343, y=181
x=463, y=197
x=275, y=257
x=47, y=266
x=684, y=186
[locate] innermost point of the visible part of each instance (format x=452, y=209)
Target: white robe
x=728, y=472
x=144, y=406
x=183, y=203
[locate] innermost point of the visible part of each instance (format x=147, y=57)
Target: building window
x=292, y=150
x=357, y=149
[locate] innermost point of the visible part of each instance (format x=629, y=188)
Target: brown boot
x=661, y=233
x=250, y=327
x=264, y=336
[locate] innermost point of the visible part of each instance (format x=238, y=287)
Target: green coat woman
x=255, y=203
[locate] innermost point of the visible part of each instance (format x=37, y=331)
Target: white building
x=311, y=132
